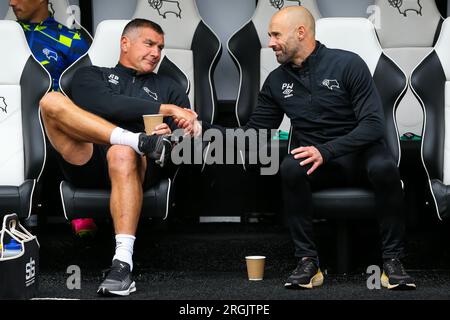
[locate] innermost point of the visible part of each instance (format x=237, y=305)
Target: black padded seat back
x=430, y=82
x=23, y=82
x=254, y=60
x=407, y=31
x=105, y=52
x=190, y=44
x=358, y=35
x=391, y=83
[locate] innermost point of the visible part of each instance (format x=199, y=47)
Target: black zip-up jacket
x=121, y=96
x=331, y=100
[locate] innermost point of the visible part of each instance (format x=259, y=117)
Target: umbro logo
x=150, y=93
x=3, y=105
x=288, y=90
x=113, y=79
x=50, y=54
x=331, y=84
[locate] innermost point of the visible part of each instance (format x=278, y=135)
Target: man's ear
x=301, y=32
x=124, y=44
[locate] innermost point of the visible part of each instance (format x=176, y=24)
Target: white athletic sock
x=124, y=248
x=126, y=138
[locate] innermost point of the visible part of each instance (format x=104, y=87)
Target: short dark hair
x=142, y=23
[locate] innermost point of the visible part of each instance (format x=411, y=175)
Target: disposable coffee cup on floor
x=151, y=121
x=255, y=267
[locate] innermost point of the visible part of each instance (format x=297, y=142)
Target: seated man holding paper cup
x=100, y=138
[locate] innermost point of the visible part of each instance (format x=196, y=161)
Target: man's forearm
x=167, y=110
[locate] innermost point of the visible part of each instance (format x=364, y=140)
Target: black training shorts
x=94, y=174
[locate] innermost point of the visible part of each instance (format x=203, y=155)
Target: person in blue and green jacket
x=54, y=45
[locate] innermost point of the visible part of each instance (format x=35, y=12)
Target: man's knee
x=122, y=160
x=52, y=103
x=291, y=171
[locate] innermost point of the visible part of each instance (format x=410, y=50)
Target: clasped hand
x=187, y=119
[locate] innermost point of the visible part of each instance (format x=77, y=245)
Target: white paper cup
x=255, y=267
x=151, y=121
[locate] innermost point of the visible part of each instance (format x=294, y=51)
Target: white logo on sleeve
x=331, y=84
x=50, y=54
x=288, y=89
x=113, y=79
x=150, y=93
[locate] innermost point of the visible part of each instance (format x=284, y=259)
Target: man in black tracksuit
x=121, y=96
x=99, y=135
x=337, y=139
x=105, y=92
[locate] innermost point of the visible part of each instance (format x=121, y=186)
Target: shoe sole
x=400, y=286
x=316, y=281
x=123, y=293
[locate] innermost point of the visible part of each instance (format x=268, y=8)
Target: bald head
x=294, y=17
x=292, y=33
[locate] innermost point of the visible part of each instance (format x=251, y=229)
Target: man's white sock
x=126, y=138
x=124, y=248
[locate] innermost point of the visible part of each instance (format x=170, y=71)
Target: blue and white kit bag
x=19, y=269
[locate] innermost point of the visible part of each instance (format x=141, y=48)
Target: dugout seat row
x=191, y=62
x=407, y=31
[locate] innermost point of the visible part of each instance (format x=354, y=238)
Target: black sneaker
x=307, y=275
x=118, y=282
x=395, y=277
x=156, y=147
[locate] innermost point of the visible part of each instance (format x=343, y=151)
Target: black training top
x=331, y=100
x=121, y=96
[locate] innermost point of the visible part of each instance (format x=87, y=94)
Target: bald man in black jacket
x=338, y=130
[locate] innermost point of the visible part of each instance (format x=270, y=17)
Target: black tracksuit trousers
x=373, y=167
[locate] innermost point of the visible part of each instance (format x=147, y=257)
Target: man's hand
x=163, y=128
x=310, y=155
x=191, y=128
x=186, y=116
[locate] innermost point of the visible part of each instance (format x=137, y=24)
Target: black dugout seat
x=23, y=82
x=430, y=82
